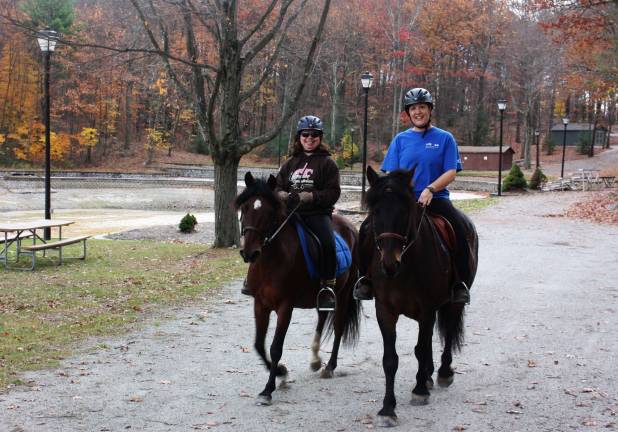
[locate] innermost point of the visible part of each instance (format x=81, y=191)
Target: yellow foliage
x=156, y=139
x=2, y=139
x=19, y=80
x=88, y=137
x=32, y=143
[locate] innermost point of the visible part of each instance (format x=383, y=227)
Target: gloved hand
x=283, y=195
x=305, y=197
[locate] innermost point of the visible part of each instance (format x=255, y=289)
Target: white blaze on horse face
x=257, y=204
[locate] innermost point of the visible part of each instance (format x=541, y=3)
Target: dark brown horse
x=412, y=275
x=280, y=282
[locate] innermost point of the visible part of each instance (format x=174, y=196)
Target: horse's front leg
x=284, y=316
x=390, y=362
x=420, y=393
x=316, y=360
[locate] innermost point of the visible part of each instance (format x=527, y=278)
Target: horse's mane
x=396, y=182
x=258, y=188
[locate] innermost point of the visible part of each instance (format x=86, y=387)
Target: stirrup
x=363, y=289
x=326, y=300
x=461, y=293
x=245, y=288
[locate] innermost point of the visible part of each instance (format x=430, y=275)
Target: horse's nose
x=249, y=256
x=391, y=270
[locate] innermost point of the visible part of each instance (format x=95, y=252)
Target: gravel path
x=540, y=352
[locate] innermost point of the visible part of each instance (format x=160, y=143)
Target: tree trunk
x=127, y=117
x=227, y=232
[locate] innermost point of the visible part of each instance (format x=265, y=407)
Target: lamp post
x=501, y=107
x=565, y=122
x=47, y=42
x=366, y=81
x=536, y=135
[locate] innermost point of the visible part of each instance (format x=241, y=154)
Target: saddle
x=310, y=245
x=445, y=230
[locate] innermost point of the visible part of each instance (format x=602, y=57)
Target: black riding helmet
x=309, y=122
x=416, y=96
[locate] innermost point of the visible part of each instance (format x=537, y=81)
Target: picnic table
x=608, y=181
x=17, y=232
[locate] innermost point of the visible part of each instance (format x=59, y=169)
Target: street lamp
x=565, y=122
x=47, y=42
x=366, y=81
x=536, y=136
x=501, y=107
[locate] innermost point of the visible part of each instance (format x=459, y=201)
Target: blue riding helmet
x=309, y=122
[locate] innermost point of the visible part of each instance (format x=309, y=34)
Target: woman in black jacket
x=311, y=177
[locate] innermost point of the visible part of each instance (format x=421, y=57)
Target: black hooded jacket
x=315, y=172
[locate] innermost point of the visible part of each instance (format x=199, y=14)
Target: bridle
x=270, y=238
x=404, y=239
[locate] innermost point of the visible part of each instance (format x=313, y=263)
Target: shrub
x=549, y=145
x=187, y=223
x=340, y=162
x=514, y=180
x=537, y=179
x=583, y=146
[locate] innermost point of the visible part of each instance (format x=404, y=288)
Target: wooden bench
x=58, y=245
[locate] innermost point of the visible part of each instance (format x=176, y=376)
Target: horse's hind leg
x=329, y=370
x=316, y=360
x=420, y=393
x=450, y=322
x=284, y=316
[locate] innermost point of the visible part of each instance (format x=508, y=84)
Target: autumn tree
x=215, y=85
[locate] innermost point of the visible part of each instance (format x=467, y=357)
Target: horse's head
x=391, y=205
x=260, y=212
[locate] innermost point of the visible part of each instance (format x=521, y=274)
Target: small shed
x=575, y=132
x=485, y=158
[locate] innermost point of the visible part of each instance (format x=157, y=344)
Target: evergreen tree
x=57, y=15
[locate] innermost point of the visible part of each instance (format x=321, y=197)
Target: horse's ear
x=372, y=176
x=249, y=180
x=272, y=182
x=410, y=176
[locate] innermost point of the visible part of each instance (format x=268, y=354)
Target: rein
x=269, y=239
x=403, y=239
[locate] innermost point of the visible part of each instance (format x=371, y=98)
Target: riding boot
x=327, y=300
x=245, y=288
x=363, y=289
x=461, y=293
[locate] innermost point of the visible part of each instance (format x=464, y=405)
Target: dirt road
x=540, y=352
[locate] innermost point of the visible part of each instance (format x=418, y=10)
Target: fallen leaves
x=600, y=208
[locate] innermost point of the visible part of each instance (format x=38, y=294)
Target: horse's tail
x=350, y=317
x=451, y=325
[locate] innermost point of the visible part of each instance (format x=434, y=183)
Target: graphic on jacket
x=301, y=178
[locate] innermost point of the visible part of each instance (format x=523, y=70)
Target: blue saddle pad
x=344, y=257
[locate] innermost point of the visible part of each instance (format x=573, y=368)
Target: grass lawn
x=470, y=206
x=46, y=312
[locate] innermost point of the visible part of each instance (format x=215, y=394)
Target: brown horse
x=280, y=282
x=412, y=275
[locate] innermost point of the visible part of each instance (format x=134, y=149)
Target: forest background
x=228, y=78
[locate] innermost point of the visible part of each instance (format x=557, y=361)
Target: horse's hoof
x=386, y=421
x=429, y=383
x=263, y=400
x=316, y=365
x=419, y=400
x=445, y=381
x=282, y=371
x=327, y=373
